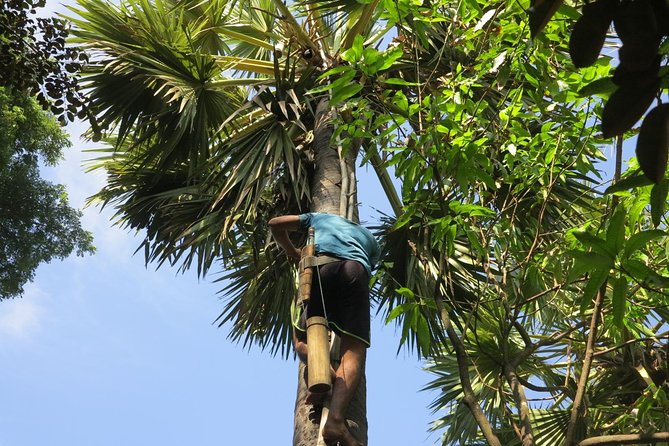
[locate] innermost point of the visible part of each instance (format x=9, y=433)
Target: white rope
x=320, y=286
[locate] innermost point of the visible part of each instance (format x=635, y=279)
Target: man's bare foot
x=336, y=433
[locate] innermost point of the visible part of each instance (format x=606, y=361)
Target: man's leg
x=346, y=382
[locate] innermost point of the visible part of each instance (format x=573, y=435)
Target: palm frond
x=149, y=81
x=259, y=291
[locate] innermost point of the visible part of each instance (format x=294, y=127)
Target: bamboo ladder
x=320, y=350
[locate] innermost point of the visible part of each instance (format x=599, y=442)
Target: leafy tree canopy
x=37, y=223
x=37, y=83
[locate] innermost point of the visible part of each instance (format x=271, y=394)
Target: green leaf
x=423, y=334
x=354, y=53
x=596, y=243
x=399, y=310
x=615, y=233
x=473, y=210
x=659, y=280
x=347, y=76
x=596, y=281
x=390, y=56
x=336, y=70
x=632, y=182
x=637, y=269
x=601, y=86
x=619, y=301
x=345, y=92
x=406, y=292
x=398, y=81
x=639, y=240
x=372, y=59
x=586, y=261
x=658, y=199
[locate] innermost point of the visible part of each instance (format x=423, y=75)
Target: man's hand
x=294, y=256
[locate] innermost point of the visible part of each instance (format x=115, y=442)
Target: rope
x=320, y=287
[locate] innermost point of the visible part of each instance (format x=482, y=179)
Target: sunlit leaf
x=618, y=301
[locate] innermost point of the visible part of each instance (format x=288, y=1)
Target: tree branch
x=612, y=440
x=532, y=347
x=470, y=400
x=536, y=388
x=526, y=435
x=578, y=407
x=632, y=341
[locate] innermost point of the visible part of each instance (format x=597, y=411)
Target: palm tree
x=212, y=130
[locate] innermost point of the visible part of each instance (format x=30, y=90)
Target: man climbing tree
x=346, y=254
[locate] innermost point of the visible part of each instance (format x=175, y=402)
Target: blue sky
x=102, y=351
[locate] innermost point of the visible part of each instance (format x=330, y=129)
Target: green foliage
x=497, y=159
x=35, y=59
x=37, y=224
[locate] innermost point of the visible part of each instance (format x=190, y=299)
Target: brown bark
x=326, y=193
x=611, y=440
x=578, y=408
x=326, y=182
x=470, y=400
x=526, y=435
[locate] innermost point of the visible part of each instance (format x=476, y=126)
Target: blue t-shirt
x=342, y=238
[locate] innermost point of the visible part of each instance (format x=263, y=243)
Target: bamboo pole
x=307, y=273
x=335, y=343
x=318, y=357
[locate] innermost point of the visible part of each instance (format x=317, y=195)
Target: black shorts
x=345, y=286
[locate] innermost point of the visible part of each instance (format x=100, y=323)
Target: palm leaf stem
x=237, y=82
x=360, y=24
x=242, y=37
x=379, y=34
x=469, y=397
x=299, y=31
x=612, y=440
x=246, y=64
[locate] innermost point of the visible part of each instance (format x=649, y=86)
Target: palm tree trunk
x=326, y=196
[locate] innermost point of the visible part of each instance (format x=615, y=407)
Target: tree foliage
x=35, y=58
x=640, y=31
x=558, y=333
x=37, y=223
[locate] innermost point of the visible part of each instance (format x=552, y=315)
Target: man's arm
x=281, y=227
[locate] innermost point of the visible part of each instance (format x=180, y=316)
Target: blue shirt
x=342, y=238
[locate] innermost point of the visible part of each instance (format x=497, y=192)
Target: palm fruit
x=541, y=12
x=661, y=9
x=652, y=145
x=622, y=75
x=626, y=106
x=589, y=33
x=636, y=26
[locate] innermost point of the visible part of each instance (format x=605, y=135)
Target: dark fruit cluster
x=641, y=25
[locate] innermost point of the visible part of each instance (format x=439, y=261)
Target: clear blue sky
x=102, y=351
